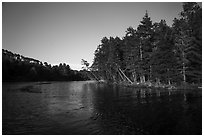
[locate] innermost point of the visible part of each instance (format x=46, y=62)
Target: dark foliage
x=16, y=67
x=155, y=52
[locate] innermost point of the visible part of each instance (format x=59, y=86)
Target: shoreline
x=155, y=86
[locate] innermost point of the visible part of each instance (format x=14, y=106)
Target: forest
x=154, y=53
x=16, y=67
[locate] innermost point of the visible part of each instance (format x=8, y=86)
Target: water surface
x=91, y=108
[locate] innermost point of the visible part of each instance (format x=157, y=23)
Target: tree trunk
x=142, y=79
x=184, y=68
x=157, y=81
x=94, y=76
x=110, y=75
x=150, y=72
x=125, y=76
x=89, y=75
x=169, y=81
x=120, y=75
x=140, y=51
x=135, y=76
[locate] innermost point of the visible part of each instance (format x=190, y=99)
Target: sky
x=68, y=32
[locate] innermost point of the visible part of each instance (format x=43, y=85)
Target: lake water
x=91, y=108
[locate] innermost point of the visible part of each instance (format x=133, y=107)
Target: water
x=90, y=108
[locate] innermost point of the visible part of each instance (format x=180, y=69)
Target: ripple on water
x=90, y=108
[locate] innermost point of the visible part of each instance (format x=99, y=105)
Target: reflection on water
x=91, y=108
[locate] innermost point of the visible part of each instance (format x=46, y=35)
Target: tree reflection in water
x=96, y=108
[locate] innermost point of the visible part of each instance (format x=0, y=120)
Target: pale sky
x=68, y=32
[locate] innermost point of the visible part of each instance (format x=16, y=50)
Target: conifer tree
x=163, y=58
x=155, y=52
x=131, y=53
x=144, y=32
x=188, y=31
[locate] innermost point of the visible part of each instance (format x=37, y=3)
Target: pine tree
x=188, y=30
x=131, y=53
x=144, y=32
x=163, y=59
x=182, y=42
x=100, y=58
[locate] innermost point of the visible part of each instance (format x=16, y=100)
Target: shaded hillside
x=16, y=67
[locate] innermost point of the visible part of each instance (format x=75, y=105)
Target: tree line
x=16, y=67
x=155, y=52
